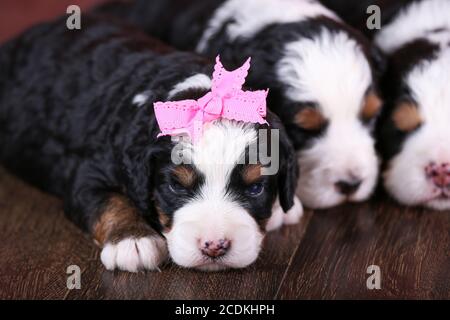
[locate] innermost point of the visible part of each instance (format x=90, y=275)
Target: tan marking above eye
x=372, y=106
x=310, y=119
x=251, y=173
x=186, y=176
x=406, y=116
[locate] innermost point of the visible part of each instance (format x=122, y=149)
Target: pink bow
x=225, y=100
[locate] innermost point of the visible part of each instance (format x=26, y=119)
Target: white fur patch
x=133, y=254
x=214, y=214
x=418, y=20
x=199, y=80
x=406, y=179
x=332, y=71
x=279, y=217
x=251, y=16
x=141, y=98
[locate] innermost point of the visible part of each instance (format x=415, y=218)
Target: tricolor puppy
x=319, y=71
x=77, y=118
x=414, y=135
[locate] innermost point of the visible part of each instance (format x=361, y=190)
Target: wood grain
x=37, y=244
x=411, y=247
x=324, y=257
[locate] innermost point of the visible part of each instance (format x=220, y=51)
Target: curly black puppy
x=77, y=119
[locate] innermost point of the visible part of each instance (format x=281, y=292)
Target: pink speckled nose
x=439, y=174
x=215, y=249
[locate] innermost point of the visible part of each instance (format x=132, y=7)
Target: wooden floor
x=325, y=256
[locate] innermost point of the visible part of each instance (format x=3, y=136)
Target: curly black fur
x=184, y=22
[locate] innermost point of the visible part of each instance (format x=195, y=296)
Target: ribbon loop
x=225, y=100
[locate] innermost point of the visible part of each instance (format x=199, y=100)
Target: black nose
x=348, y=187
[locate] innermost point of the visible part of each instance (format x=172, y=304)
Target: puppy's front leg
x=128, y=242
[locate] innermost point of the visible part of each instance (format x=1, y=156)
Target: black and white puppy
x=77, y=119
x=415, y=127
x=319, y=71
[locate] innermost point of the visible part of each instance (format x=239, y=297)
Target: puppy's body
x=319, y=71
x=77, y=119
x=414, y=133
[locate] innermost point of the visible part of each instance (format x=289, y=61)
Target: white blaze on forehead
x=418, y=20
x=330, y=69
x=429, y=83
x=213, y=215
x=219, y=150
x=251, y=16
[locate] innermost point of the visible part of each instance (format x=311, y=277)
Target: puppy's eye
x=176, y=188
x=255, y=189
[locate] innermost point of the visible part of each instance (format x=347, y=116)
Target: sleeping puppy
x=319, y=71
x=77, y=119
x=414, y=133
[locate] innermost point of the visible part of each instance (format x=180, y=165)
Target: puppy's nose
x=348, y=187
x=439, y=174
x=215, y=249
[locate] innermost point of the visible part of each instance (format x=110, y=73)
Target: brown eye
x=406, y=116
x=372, y=106
x=310, y=118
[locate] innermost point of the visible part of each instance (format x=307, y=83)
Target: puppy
x=414, y=131
x=320, y=73
x=77, y=119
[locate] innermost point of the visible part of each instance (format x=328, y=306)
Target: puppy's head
x=330, y=105
x=414, y=134
x=214, y=197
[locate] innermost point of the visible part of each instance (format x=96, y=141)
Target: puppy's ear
x=139, y=167
x=288, y=170
x=378, y=62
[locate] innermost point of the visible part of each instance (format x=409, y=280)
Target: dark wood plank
x=411, y=247
x=37, y=244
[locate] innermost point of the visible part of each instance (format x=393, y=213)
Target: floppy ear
x=378, y=62
x=139, y=167
x=288, y=170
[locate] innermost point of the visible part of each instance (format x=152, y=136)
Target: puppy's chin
x=201, y=222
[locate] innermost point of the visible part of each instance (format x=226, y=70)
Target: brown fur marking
x=186, y=176
x=372, y=106
x=251, y=173
x=119, y=220
x=406, y=116
x=309, y=119
x=163, y=219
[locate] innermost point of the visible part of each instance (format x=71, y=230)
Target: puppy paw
x=294, y=215
x=276, y=219
x=134, y=254
x=279, y=218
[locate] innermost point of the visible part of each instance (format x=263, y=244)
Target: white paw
x=276, y=219
x=294, y=215
x=134, y=254
x=279, y=218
